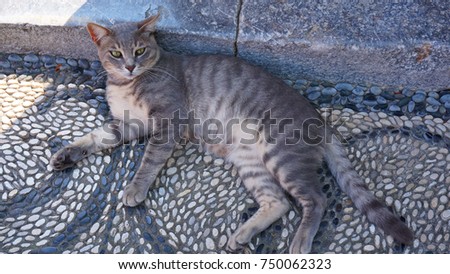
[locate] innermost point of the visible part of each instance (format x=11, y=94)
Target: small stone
x=446, y=215
x=5, y=120
x=39, y=100
x=207, y=159
x=33, y=218
x=404, y=102
x=171, y=171
x=94, y=228
x=96, y=65
x=47, y=59
x=218, y=162
x=60, y=60
x=445, y=98
x=375, y=90
x=433, y=101
x=344, y=86
x=418, y=97
x=5, y=64
x=432, y=108
x=31, y=58
x=14, y=58
x=313, y=95
x=210, y=244
x=49, y=65
x=313, y=89
x=411, y=106
x=30, y=181
x=368, y=248
x=36, y=232
x=407, y=92
x=329, y=91
x=394, y=108
x=60, y=227
x=10, y=114
x=72, y=62
x=83, y=63
x=93, y=102
x=191, y=174
x=359, y=91
x=61, y=209
x=19, y=95
x=48, y=250
x=434, y=94
x=42, y=136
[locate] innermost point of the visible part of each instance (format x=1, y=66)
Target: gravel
x=397, y=139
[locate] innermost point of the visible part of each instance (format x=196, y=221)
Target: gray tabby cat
x=146, y=85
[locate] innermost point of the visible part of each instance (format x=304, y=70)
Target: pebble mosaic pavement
x=399, y=141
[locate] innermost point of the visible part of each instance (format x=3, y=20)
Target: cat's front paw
x=133, y=195
x=67, y=157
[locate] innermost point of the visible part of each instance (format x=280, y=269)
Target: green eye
x=116, y=53
x=139, y=51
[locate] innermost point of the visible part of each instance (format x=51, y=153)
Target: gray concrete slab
x=399, y=44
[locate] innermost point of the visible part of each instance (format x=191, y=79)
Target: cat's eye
x=139, y=51
x=116, y=53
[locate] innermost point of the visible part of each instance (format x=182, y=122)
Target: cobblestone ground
x=398, y=140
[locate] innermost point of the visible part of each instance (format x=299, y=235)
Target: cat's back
x=215, y=82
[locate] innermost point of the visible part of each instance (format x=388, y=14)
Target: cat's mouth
x=130, y=75
x=123, y=74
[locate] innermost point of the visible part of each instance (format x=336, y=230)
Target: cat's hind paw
x=233, y=246
x=133, y=195
x=67, y=157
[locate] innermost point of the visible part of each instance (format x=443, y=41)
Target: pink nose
x=130, y=68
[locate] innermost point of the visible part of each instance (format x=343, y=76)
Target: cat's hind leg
x=296, y=170
x=272, y=201
x=313, y=205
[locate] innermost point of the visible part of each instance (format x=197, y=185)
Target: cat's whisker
x=153, y=76
x=102, y=73
x=158, y=69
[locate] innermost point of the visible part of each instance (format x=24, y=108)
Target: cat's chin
x=121, y=79
x=129, y=76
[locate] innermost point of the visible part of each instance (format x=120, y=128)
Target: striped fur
x=352, y=184
x=273, y=136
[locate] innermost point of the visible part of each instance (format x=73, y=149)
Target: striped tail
x=352, y=184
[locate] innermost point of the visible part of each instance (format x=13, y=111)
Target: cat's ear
x=149, y=24
x=97, y=32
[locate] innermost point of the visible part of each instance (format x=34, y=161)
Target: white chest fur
x=124, y=105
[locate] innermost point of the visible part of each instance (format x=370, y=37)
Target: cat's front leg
x=111, y=134
x=158, y=150
x=68, y=156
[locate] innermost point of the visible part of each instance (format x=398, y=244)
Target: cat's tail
x=352, y=184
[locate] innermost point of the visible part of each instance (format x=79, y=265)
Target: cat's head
x=126, y=50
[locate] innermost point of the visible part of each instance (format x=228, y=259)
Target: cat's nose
x=130, y=68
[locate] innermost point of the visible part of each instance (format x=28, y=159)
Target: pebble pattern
x=398, y=140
